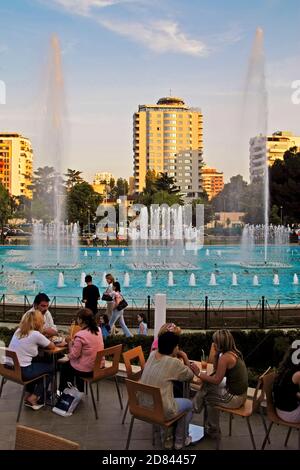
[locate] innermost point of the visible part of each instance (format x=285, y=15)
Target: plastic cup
x=204, y=367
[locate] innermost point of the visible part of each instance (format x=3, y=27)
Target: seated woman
x=229, y=363
x=83, y=349
x=161, y=369
x=25, y=342
x=286, y=389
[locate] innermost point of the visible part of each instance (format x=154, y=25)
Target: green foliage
x=159, y=190
x=82, y=203
x=6, y=208
x=73, y=177
x=285, y=185
x=45, y=182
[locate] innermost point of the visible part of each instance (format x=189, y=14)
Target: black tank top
x=284, y=392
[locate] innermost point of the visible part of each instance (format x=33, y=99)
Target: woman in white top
x=25, y=342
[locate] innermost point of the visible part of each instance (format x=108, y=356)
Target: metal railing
x=202, y=313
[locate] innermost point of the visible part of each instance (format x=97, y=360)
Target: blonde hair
x=110, y=277
x=224, y=342
x=31, y=321
x=169, y=327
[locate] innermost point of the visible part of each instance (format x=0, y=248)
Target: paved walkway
x=108, y=433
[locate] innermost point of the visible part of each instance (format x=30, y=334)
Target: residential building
x=163, y=134
x=212, y=181
x=227, y=220
x=16, y=157
x=275, y=145
x=102, y=177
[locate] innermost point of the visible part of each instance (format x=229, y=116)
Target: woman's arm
x=217, y=378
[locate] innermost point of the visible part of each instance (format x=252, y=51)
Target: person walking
x=90, y=295
x=118, y=314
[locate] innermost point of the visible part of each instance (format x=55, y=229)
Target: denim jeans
x=182, y=426
x=118, y=315
x=34, y=370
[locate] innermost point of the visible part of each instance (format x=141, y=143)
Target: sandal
x=33, y=406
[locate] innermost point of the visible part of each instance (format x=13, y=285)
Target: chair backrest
x=259, y=394
x=130, y=356
x=33, y=439
x=114, y=353
x=268, y=381
x=152, y=410
x=10, y=366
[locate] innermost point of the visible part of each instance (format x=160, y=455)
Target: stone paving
x=107, y=433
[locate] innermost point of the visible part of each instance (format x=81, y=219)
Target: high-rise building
x=164, y=135
x=212, y=181
x=16, y=158
x=275, y=145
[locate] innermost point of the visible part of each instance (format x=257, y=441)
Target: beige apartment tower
x=168, y=137
x=16, y=158
x=213, y=181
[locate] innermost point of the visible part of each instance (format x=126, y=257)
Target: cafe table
x=55, y=353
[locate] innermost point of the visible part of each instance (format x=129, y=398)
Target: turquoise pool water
x=18, y=276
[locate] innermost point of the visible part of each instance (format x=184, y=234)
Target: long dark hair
x=88, y=318
x=286, y=368
x=117, y=286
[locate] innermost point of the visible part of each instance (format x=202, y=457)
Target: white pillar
x=160, y=312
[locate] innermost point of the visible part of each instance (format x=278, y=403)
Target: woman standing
x=286, y=389
x=25, y=343
x=83, y=350
x=118, y=314
x=229, y=363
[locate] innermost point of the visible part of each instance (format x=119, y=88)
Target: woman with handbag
x=118, y=309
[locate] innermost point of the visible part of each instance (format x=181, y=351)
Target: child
x=104, y=325
x=143, y=329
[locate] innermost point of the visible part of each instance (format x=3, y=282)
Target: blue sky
x=117, y=54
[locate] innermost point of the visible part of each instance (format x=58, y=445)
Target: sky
x=117, y=54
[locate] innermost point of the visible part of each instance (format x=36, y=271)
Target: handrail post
x=148, y=310
x=206, y=313
x=262, y=311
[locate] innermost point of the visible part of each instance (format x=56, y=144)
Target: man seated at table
x=41, y=303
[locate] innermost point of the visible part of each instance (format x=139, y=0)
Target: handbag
x=123, y=304
x=107, y=297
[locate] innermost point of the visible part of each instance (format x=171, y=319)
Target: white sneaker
x=187, y=442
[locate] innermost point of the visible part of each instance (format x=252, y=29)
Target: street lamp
x=118, y=219
x=281, y=215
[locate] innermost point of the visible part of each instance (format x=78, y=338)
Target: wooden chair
x=33, y=439
x=153, y=414
x=268, y=381
x=101, y=373
x=10, y=370
x=249, y=407
x=135, y=354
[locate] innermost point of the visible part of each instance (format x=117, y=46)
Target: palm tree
x=73, y=177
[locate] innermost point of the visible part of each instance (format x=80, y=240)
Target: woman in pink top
x=82, y=351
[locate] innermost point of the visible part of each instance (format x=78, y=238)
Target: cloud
x=160, y=36
x=84, y=7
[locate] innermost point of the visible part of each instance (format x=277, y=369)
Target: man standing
x=90, y=294
x=41, y=303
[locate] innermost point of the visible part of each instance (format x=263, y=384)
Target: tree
x=159, y=190
x=122, y=187
x=166, y=183
x=82, y=203
x=6, y=208
x=284, y=178
x=73, y=177
x=233, y=196
x=46, y=184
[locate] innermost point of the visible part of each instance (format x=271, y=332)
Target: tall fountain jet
x=255, y=122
